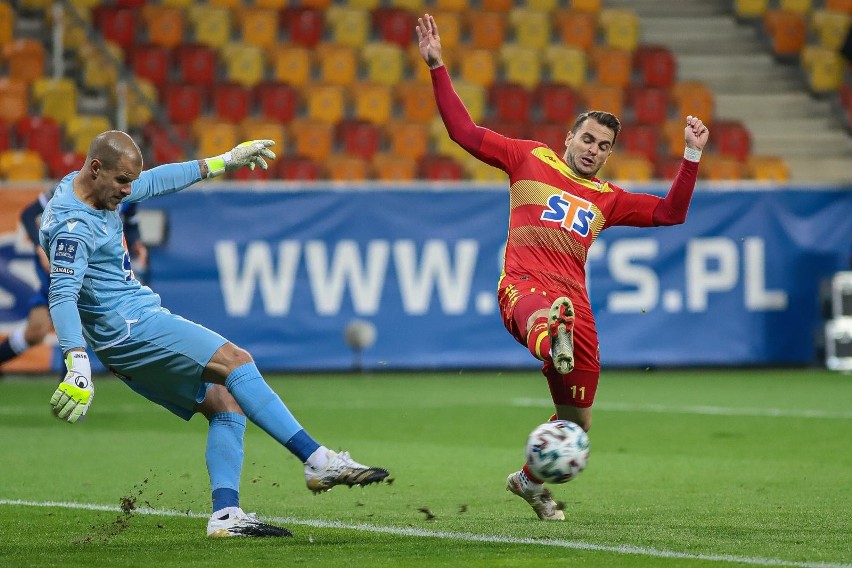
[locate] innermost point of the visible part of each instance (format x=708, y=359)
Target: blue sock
x=224, y=457
x=267, y=410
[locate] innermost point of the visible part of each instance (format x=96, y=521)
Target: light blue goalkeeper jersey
x=93, y=292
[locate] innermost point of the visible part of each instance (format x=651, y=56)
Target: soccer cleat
x=561, y=330
x=341, y=470
x=232, y=521
x=541, y=501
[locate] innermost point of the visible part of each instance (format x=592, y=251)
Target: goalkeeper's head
x=114, y=160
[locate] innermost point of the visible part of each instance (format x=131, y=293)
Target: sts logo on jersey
x=571, y=212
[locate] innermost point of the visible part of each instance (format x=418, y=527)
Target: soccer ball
x=557, y=451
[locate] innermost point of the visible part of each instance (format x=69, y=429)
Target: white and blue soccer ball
x=557, y=451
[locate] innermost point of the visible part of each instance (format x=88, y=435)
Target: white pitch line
x=467, y=537
x=709, y=410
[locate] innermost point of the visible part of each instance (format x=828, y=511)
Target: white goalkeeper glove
x=72, y=399
x=251, y=154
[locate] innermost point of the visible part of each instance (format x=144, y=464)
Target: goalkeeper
x=95, y=298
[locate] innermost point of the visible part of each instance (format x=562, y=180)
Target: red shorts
x=523, y=297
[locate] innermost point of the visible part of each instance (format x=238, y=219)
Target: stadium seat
x=508, y=129
x=394, y=25
x=40, y=134
x=317, y=4
x=831, y=28
x=210, y=26
x=297, y=168
x=576, y=29
x=787, y=32
x=440, y=168
x=767, y=168
x=14, y=100
x=359, y=138
x=277, y=101
x=372, y=102
x=232, y=102
x=612, y=66
x=25, y=59
x=731, y=138
x=417, y=101
x=232, y=5
x=656, y=64
x=594, y=96
x=385, y=62
x=164, y=25
x=258, y=26
x=115, y=24
x=640, y=140
x=392, y=167
x=530, y=28
x=510, y=103
x=408, y=139
x=196, y=63
x=694, y=98
x=74, y=30
x=338, y=64
x=558, y=103
x=151, y=62
x=450, y=24
x=567, y=65
x=291, y=64
x=650, y=105
x=184, y=103
x=244, y=63
x=667, y=166
x=750, y=9
x=451, y=5
x=720, y=168
x=521, y=65
x=591, y=6
x=844, y=6
x=416, y=6
x=673, y=135
x=214, y=137
x=260, y=128
x=312, y=139
x=479, y=171
x=477, y=66
x=63, y=163
x=473, y=97
x=304, y=26
x=5, y=136
x=21, y=165
x=256, y=174
x=620, y=28
x=803, y=7
x=82, y=129
x=551, y=134
x=325, y=103
x=497, y=5
x=343, y=167
x=487, y=29
x=348, y=25
x=419, y=71
x=166, y=144
x=823, y=68
x=364, y=4
x=7, y=24
x=57, y=98
x=624, y=168
x=100, y=67
x=141, y=102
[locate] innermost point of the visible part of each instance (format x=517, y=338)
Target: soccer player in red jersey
x=558, y=208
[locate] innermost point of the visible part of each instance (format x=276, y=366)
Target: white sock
x=319, y=458
x=528, y=484
x=17, y=341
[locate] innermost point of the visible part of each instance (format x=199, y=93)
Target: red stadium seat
x=656, y=64
x=640, y=139
x=117, y=25
x=298, y=168
x=510, y=102
x=650, y=104
x=5, y=136
x=551, y=134
x=278, y=101
x=39, y=133
x=666, y=167
x=63, y=163
x=304, y=26
x=257, y=174
x=732, y=138
x=360, y=138
x=197, y=64
x=232, y=102
x=558, y=104
x=165, y=146
x=507, y=129
x=437, y=168
x=184, y=103
x=152, y=62
x=394, y=25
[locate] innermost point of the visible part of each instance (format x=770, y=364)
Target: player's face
x=113, y=184
x=587, y=150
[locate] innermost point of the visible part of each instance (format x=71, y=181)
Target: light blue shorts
x=163, y=360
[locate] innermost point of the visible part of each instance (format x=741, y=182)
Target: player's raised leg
x=561, y=331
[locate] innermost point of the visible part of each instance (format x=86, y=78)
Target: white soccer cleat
x=341, y=470
x=233, y=521
x=561, y=330
x=541, y=501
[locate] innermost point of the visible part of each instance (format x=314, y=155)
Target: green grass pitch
x=687, y=468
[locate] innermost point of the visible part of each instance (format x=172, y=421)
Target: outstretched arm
x=672, y=209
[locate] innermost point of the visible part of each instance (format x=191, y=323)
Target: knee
x=224, y=361
x=217, y=400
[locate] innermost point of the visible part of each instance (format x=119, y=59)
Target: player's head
x=113, y=162
x=590, y=142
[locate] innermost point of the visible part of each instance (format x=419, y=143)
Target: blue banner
x=284, y=273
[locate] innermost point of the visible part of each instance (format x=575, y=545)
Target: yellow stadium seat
x=372, y=102
x=450, y=27
x=419, y=70
x=312, y=139
x=799, y=6
x=627, y=167
x=82, y=129
x=343, y=167
x=478, y=170
x=767, y=168
x=291, y=64
x=474, y=99
x=182, y=4
x=385, y=62
x=416, y=6
x=531, y=28
x=35, y=5
x=823, y=68
x=542, y=5
x=211, y=26
x=408, y=139
x=364, y=4
x=100, y=69
x=57, y=98
x=477, y=66
x=258, y=26
x=567, y=65
x=442, y=143
x=620, y=28
x=14, y=100
x=244, y=63
x=451, y=5
x=273, y=4
x=349, y=26
x=750, y=9
x=417, y=101
x=22, y=165
x=720, y=168
x=140, y=113
x=393, y=167
x=253, y=128
x=338, y=64
x=521, y=65
x=831, y=28
x=7, y=24
x=325, y=103
x=214, y=137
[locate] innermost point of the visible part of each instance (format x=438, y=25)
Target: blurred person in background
x=557, y=209
x=95, y=299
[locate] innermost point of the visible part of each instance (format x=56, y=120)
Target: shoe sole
x=368, y=477
x=562, y=342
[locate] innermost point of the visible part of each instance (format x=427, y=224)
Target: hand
x=695, y=133
x=75, y=393
x=429, y=41
x=251, y=154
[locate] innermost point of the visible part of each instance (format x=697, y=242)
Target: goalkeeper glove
x=251, y=154
x=72, y=399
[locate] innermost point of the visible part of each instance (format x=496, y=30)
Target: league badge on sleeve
x=66, y=250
